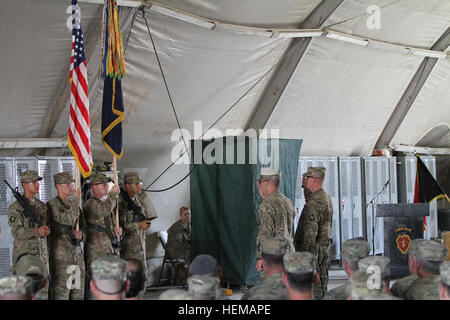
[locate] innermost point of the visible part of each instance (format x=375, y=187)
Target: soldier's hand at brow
x=43, y=231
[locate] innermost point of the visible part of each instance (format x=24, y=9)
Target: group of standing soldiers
x=67, y=229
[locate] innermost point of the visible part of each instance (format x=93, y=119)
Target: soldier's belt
x=61, y=228
x=96, y=227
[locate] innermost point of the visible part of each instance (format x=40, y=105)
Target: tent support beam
x=411, y=93
x=30, y=143
x=286, y=69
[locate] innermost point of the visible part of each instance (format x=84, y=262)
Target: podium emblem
x=403, y=242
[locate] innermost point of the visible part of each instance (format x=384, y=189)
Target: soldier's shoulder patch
x=12, y=219
x=311, y=217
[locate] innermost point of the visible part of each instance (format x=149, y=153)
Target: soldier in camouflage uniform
x=275, y=212
x=133, y=244
x=203, y=287
x=428, y=257
x=360, y=289
x=314, y=227
x=373, y=265
x=444, y=277
x=402, y=285
x=272, y=287
x=15, y=288
x=65, y=256
x=32, y=267
x=299, y=274
x=353, y=251
x=179, y=236
x=29, y=238
x=175, y=294
x=109, y=278
x=100, y=217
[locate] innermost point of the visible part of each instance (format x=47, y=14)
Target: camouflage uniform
x=64, y=216
x=175, y=294
x=179, y=240
x=444, y=275
x=133, y=244
x=275, y=215
x=26, y=238
x=314, y=228
x=427, y=288
x=108, y=267
x=100, y=225
x=272, y=287
x=361, y=291
x=203, y=287
x=402, y=285
x=31, y=266
x=300, y=263
x=353, y=250
x=15, y=285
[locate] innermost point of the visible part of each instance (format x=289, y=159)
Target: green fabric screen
x=225, y=199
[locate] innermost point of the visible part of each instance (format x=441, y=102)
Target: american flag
x=79, y=131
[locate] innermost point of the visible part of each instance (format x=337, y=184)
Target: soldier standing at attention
x=99, y=215
x=275, y=213
x=133, y=244
x=313, y=232
x=65, y=249
x=28, y=237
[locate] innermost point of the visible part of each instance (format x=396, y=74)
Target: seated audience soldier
x=353, y=251
x=402, y=285
x=272, y=287
x=203, y=287
x=109, y=278
x=204, y=264
x=15, y=288
x=32, y=267
x=427, y=260
x=444, y=285
x=379, y=266
x=360, y=290
x=175, y=294
x=299, y=274
x=136, y=276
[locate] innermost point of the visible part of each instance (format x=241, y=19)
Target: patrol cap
x=379, y=261
x=175, y=294
x=15, y=285
x=444, y=273
x=30, y=264
x=360, y=287
x=132, y=177
x=355, y=249
x=430, y=250
x=29, y=176
x=414, y=245
x=299, y=262
x=269, y=174
x=277, y=245
x=318, y=172
x=204, y=264
x=203, y=286
x=63, y=177
x=98, y=178
x=109, y=268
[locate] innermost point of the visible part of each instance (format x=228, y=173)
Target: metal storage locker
x=6, y=199
x=406, y=167
x=330, y=186
x=351, y=198
x=379, y=187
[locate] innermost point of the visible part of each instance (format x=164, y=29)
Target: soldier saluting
x=30, y=238
x=65, y=249
x=99, y=216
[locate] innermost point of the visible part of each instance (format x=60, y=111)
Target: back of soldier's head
x=109, y=274
x=32, y=266
x=362, y=286
x=204, y=264
x=16, y=288
x=430, y=255
x=203, y=287
x=136, y=275
x=378, y=265
x=273, y=249
x=354, y=250
x=300, y=270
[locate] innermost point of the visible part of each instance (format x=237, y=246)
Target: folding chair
x=162, y=235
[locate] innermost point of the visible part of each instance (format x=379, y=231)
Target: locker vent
x=3, y=191
x=45, y=190
x=4, y=262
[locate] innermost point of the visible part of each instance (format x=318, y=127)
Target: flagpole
x=116, y=182
x=77, y=186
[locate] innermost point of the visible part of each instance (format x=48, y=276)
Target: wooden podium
x=403, y=222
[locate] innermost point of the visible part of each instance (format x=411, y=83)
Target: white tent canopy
x=339, y=96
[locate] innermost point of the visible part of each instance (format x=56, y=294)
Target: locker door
x=393, y=180
x=345, y=187
x=47, y=168
x=432, y=229
x=357, y=211
x=331, y=187
x=6, y=199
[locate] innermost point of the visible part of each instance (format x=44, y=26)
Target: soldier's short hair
x=300, y=281
x=136, y=276
x=272, y=259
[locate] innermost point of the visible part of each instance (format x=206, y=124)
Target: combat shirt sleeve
x=18, y=229
x=265, y=226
